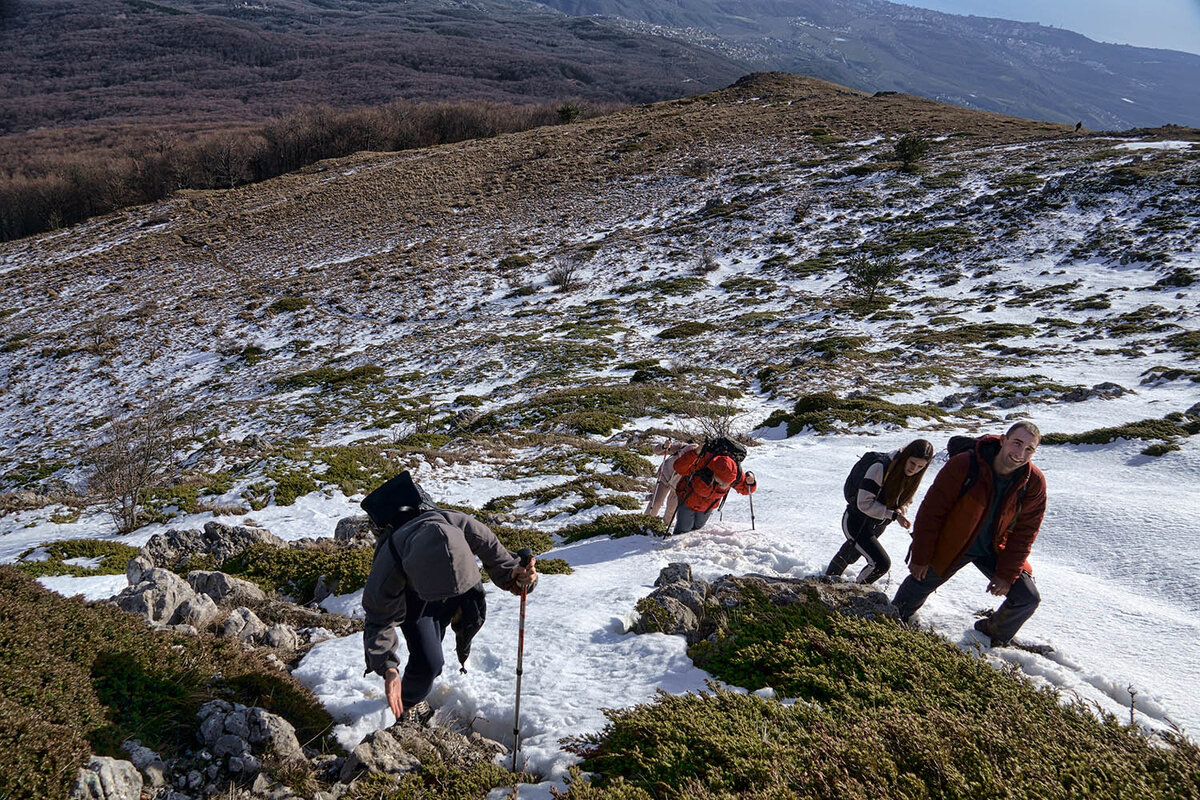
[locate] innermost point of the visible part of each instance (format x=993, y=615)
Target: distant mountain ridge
x=203, y=61
x=1018, y=68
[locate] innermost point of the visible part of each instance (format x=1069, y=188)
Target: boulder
x=107, y=778
x=281, y=636
x=164, y=598
x=244, y=625
x=675, y=572
x=355, y=530
x=225, y=588
x=401, y=748
x=239, y=737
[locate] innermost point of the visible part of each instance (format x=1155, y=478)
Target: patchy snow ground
x=1116, y=562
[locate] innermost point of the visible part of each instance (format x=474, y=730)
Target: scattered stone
x=675, y=572
x=355, y=530
x=256, y=441
x=401, y=748
x=1194, y=411
x=107, y=778
x=239, y=737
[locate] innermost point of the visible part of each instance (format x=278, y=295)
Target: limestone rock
x=225, y=588
x=244, y=625
x=107, y=778
x=217, y=542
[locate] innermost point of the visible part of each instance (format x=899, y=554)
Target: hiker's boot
x=985, y=627
x=417, y=716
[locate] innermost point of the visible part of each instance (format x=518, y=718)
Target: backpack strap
x=972, y=475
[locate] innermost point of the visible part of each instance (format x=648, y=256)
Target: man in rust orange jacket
x=985, y=507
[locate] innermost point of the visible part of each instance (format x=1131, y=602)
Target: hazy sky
x=1170, y=24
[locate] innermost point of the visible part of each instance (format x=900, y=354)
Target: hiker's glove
x=750, y=480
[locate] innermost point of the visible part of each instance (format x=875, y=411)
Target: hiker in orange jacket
x=992, y=524
x=704, y=481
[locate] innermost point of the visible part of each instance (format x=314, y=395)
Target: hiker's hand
x=391, y=688
x=750, y=481
x=523, y=578
x=999, y=587
x=903, y=520
x=918, y=571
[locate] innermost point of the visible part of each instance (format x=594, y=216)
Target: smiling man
x=985, y=507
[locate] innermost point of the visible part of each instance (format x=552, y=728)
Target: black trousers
x=423, y=628
x=862, y=541
x=1018, y=606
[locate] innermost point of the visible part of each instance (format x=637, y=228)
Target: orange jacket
x=946, y=524
x=696, y=491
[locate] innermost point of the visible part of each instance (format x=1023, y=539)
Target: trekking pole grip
x=525, y=555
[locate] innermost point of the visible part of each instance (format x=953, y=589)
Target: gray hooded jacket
x=437, y=551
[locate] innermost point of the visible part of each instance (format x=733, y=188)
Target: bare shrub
x=136, y=454
x=565, y=275
x=706, y=262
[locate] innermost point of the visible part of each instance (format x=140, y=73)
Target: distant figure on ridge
x=985, y=507
x=878, y=490
x=705, y=476
x=423, y=579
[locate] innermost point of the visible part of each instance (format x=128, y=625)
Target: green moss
x=515, y=262
x=881, y=712
x=113, y=558
x=616, y=526
x=104, y=678
x=294, y=570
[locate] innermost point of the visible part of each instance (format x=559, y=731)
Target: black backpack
x=855, y=478
x=723, y=446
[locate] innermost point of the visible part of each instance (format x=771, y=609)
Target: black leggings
x=862, y=540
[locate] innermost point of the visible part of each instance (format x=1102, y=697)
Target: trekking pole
x=751, y=496
x=526, y=555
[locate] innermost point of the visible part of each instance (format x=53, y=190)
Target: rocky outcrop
x=697, y=609
x=403, y=747
x=176, y=549
x=148, y=763
x=107, y=778
x=356, y=531
x=164, y=598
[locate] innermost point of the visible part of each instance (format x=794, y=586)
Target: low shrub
x=616, y=526
x=1145, y=429
x=684, y=330
x=825, y=412
x=113, y=556
x=880, y=711
x=104, y=677
x=294, y=570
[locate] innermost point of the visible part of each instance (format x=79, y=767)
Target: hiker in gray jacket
x=424, y=578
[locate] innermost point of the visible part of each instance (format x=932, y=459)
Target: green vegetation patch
x=882, y=711
x=113, y=556
x=747, y=285
x=1188, y=342
x=103, y=677
x=1145, y=320
x=331, y=377
x=975, y=333
x=677, y=287
x=294, y=570
x=685, y=330
x=616, y=526
x=592, y=489
x=1145, y=429
x=437, y=779
x=587, y=409
x=825, y=412
x=286, y=304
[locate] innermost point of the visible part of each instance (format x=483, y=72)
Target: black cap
x=393, y=501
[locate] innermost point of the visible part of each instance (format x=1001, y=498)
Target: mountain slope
x=993, y=64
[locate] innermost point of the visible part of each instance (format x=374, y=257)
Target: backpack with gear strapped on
x=723, y=446
x=859, y=470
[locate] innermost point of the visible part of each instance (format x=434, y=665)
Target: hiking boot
x=984, y=626
x=417, y=716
